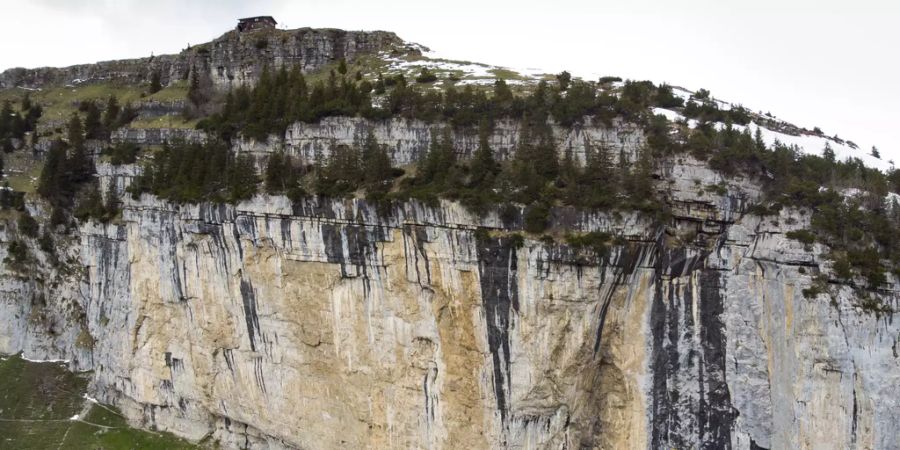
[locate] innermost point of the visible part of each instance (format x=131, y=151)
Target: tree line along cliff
x=860, y=230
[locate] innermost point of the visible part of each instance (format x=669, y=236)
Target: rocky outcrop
x=232, y=59
x=158, y=136
x=408, y=140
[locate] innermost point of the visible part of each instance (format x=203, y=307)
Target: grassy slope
x=37, y=401
x=59, y=102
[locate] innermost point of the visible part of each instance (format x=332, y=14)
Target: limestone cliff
x=235, y=58
x=331, y=324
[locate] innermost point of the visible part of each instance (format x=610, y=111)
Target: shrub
x=426, y=76
x=804, y=236
x=27, y=225
x=701, y=94
x=812, y=292
x=155, y=83
x=124, y=153
x=517, y=240
x=17, y=256
x=842, y=268
x=509, y=213
x=537, y=217
x=596, y=241
x=482, y=235
x=45, y=243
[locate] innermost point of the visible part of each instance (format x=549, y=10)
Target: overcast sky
x=827, y=63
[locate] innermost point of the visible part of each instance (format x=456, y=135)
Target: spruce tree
x=52, y=182
x=828, y=153
x=601, y=178
x=6, y=114
x=758, y=140
x=440, y=159
x=93, y=126
x=277, y=173
x=111, y=115
x=111, y=205
x=155, y=83
x=79, y=164
x=484, y=167
x=563, y=79
x=196, y=94
x=375, y=162
x=242, y=178
x=379, y=85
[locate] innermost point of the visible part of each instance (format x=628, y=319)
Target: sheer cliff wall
x=329, y=324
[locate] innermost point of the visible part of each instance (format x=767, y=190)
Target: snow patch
x=806, y=143
x=815, y=145
x=59, y=361
x=672, y=116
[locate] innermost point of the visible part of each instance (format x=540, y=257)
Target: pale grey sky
x=825, y=63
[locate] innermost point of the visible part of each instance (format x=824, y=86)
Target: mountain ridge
x=402, y=57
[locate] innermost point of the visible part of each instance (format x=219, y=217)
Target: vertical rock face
x=326, y=324
x=233, y=59
x=407, y=140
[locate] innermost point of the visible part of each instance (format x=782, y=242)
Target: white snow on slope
x=671, y=115
x=815, y=145
x=469, y=72
x=808, y=144
x=61, y=361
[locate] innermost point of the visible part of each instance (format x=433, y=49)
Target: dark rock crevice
x=498, y=269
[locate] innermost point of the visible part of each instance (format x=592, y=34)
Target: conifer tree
x=441, y=157
x=111, y=205
x=828, y=153
x=379, y=85
x=484, y=167
x=111, y=115
x=242, y=178
x=93, y=126
x=155, y=83
x=601, y=177
x=758, y=140
x=52, y=182
x=375, y=162
x=563, y=79
x=90, y=205
x=79, y=164
x=278, y=173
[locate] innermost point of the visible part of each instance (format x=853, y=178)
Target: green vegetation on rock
x=38, y=405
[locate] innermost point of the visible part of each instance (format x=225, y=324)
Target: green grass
x=37, y=401
x=114, y=433
x=163, y=122
x=59, y=102
x=22, y=171
x=506, y=74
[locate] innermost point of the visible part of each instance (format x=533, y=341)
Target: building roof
x=250, y=19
